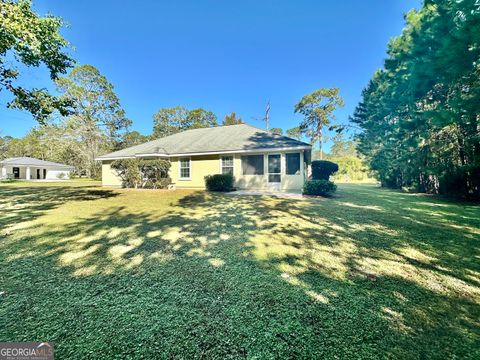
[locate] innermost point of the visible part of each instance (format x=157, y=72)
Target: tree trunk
x=320, y=142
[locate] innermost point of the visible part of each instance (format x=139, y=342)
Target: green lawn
x=147, y=274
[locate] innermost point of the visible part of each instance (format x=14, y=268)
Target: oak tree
x=33, y=41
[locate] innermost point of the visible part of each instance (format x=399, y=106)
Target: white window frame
x=180, y=168
x=233, y=163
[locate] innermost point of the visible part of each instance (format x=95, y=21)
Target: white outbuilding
x=27, y=168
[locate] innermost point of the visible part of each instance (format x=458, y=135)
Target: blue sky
x=223, y=55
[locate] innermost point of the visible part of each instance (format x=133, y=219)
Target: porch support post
x=27, y=173
x=4, y=172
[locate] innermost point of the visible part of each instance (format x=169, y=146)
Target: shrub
x=128, y=171
x=155, y=173
x=323, y=169
x=219, y=182
x=142, y=173
x=61, y=176
x=319, y=187
x=8, y=180
x=160, y=183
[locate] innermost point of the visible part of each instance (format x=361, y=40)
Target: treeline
x=85, y=119
x=420, y=115
x=96, y=124
x=64, y=144
x=351, y=165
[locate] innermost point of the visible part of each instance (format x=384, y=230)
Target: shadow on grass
x=358, y=276
x=22, y=204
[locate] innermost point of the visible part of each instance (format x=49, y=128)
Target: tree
x=419, y=113
x=350, y=168
x=169, y=121
x=343, y=152
x=277, y=131
x=317, y=109
x=29, y=145
x=33, y=41
x=232, y=119
x=5, y=146
x=342, y=147
x=200, y=118
x=131, y=138
x=295, y=133
x=97, y=120
x=46, y=142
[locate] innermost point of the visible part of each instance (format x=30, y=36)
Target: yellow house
x=257, y=159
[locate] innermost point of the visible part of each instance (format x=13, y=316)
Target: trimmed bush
x=319, y=187
x=219, y=182
x=323, y=169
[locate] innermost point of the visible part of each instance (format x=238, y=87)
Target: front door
x=274, y=171
x=16, y=172
x=38, y=174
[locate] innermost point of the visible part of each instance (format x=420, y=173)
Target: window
x=227, y=165
x=184, y=168
x=293, y=163
x=252, y=165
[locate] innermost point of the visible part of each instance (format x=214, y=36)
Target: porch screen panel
x=293, y=163
x=252, y=165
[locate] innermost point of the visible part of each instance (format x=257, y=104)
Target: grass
x=370, y=273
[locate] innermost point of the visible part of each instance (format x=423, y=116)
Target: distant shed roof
x=28, y=161
x=231, y=138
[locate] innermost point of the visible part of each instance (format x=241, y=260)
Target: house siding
x=109, y=177
x=52, y=174
x=201, y=166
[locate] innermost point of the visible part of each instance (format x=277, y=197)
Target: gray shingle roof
x=241, y=137
x=28, y=161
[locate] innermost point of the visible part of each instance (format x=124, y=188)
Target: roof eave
x=238, y=151
x=63, y=167
x=100, y=158
x=243, y=151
